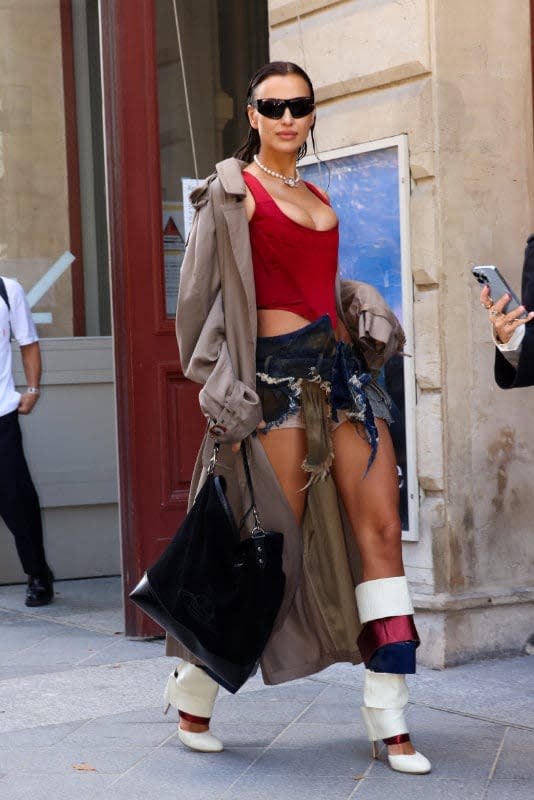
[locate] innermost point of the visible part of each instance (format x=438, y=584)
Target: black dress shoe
x=40, y=590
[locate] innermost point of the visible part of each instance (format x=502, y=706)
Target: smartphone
x=498, y=286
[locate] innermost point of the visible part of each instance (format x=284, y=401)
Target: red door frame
x=158, y=421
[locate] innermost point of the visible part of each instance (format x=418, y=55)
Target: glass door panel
x=202, y=98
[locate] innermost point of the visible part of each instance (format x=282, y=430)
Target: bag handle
x=213, y=459
x=258, y=529
x=258, y=532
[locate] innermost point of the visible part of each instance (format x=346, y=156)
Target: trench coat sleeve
x=506, y=375
x=200, y=331
x=371, y=323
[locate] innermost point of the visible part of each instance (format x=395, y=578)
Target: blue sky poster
x=364, y=191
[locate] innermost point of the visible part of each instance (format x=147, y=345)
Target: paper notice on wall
x=173, y=252
x=188, y=184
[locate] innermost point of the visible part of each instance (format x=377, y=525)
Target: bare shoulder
x=320, y=192
x=250, y=203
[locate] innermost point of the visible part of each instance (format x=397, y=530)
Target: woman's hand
x=237, y=446
x=504, y=325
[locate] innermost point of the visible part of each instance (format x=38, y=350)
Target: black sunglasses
x=274, y=108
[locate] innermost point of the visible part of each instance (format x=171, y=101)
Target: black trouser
x=19, y=503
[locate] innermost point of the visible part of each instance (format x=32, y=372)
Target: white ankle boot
x=385, y=689
x=190, y=689
x=386, y=693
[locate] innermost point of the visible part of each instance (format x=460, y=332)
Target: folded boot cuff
x=384, y=597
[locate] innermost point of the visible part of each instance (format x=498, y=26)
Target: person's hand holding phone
x=504, y=325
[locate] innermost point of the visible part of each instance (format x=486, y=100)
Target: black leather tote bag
x=216, y=594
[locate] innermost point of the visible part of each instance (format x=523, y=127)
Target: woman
x=257, y=325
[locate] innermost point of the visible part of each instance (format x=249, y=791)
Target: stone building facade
x=455, y=77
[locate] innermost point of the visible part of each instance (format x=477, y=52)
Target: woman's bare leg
x=286, y=450
x=371, y=504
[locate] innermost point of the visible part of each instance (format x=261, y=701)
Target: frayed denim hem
x=287, y=366
x=276, y=423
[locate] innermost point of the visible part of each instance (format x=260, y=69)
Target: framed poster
x=369, y=188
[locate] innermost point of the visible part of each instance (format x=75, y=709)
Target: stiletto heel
x=374, y=749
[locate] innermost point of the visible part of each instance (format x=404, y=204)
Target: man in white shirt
x=19, y=504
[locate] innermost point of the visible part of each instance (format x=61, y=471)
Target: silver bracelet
x=33, y=390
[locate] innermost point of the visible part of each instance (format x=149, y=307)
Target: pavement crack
x=494, y=765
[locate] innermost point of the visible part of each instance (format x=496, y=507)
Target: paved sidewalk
x=80, y=719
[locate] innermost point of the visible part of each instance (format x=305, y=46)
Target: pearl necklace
x=292, y=182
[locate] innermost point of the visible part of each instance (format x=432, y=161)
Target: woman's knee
x=385, y=533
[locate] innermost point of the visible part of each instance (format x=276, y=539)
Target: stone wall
x=456, y=77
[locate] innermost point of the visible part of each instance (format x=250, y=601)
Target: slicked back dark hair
x=251, y=145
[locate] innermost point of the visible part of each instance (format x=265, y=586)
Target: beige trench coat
x=216, y=329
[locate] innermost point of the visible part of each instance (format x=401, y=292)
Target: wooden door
x=159, y=423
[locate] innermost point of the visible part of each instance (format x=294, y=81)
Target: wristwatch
x=33, y=390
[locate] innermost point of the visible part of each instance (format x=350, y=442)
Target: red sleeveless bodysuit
x=294, y=266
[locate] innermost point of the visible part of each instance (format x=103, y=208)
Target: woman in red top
x=322, y=411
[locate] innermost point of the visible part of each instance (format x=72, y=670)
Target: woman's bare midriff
x=276, y=322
